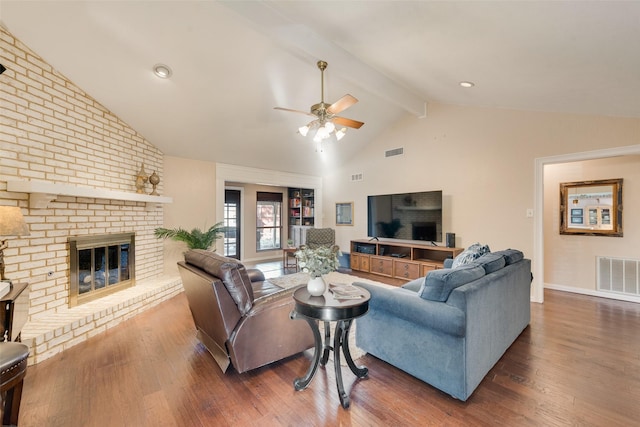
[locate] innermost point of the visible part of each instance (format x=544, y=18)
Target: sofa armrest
x=407, y=305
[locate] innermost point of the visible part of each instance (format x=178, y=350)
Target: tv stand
x=399, y=260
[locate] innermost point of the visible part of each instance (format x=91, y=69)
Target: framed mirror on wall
x=344, y=213
x=592, y=208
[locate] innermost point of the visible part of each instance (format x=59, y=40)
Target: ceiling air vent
x=357, y=177
x=394, y=152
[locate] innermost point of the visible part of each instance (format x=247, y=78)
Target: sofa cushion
x=439, y=283
x=414, y=285
x=470, y=254
x=511, y=255
x=232, y=273
x=491, y=262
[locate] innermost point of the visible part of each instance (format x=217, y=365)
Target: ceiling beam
x=303, y=42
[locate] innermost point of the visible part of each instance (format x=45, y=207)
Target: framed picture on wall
x=344, y=213
x=592, y=208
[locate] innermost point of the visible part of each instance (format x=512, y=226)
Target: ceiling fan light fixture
x=323, y=126
x=304, y=130
x=330, y=127
x=162, y=71
x=322, y=133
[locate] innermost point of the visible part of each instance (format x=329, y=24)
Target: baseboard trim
x=593, y=293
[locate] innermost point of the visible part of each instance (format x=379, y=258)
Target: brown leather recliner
x=242, y=319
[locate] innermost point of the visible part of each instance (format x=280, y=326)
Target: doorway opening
x=232, y=234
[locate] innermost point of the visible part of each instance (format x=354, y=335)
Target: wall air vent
x=394, y=152
x=357, y=177
x=618, y=275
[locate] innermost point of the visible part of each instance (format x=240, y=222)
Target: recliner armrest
x=255, y=275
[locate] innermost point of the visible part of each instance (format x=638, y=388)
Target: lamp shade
x=12, y=222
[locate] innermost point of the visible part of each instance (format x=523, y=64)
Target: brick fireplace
x=55, y=133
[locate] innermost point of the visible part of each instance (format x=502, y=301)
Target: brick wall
x=51, y=130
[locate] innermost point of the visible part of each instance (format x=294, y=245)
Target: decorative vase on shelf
x=141, y=180
x=316, y=286
x=154, y=180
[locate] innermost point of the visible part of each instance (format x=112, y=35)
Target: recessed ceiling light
x=162, y=71
x=467, y=84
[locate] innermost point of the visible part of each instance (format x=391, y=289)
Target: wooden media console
x=398, y=260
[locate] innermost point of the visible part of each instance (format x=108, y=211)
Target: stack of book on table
x=343, y=291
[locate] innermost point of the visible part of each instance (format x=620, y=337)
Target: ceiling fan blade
x=347, y=122
x=342, y=104
x=294, y=111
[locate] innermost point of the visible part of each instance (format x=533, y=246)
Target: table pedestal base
x=321, y=354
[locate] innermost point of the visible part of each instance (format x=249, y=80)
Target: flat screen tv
x=406, y=216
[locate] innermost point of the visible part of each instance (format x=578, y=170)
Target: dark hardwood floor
x=578, y=363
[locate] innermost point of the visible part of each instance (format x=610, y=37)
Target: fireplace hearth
x=100, y=265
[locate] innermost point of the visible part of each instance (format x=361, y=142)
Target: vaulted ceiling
x=234, y=61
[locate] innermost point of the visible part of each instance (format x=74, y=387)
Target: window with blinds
x=268, y=221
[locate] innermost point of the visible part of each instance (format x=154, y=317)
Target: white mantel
x=41, y=193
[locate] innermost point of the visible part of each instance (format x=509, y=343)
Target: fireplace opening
x=100, y=265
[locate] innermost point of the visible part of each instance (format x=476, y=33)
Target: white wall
x=484, y=161
x=192, y=184
x=482, y=158
x=570, y=260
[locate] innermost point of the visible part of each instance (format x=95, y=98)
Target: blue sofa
x=450, y=328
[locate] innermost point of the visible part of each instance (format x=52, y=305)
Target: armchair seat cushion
x=263, y=288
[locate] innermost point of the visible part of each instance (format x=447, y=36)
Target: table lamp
x=11, y=224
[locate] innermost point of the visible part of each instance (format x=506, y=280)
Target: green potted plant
x=196, y=238
x=317, y=262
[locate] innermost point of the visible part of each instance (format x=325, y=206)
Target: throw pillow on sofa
x=470, y=254
x=511, y=255
x=439, y=283
x=491, y=262
x=414, y=285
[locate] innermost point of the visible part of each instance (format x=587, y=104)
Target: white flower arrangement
x=317, y=262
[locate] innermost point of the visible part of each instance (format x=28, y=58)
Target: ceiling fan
x=325, y=118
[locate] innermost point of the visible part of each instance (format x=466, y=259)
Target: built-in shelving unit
x=301, y=206
x=398, y=260
x=42, y=193
x=301, y=213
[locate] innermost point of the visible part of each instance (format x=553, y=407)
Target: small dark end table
x=289, y=253
x=327, y=308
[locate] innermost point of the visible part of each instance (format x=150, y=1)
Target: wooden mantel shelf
x=41, y=193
